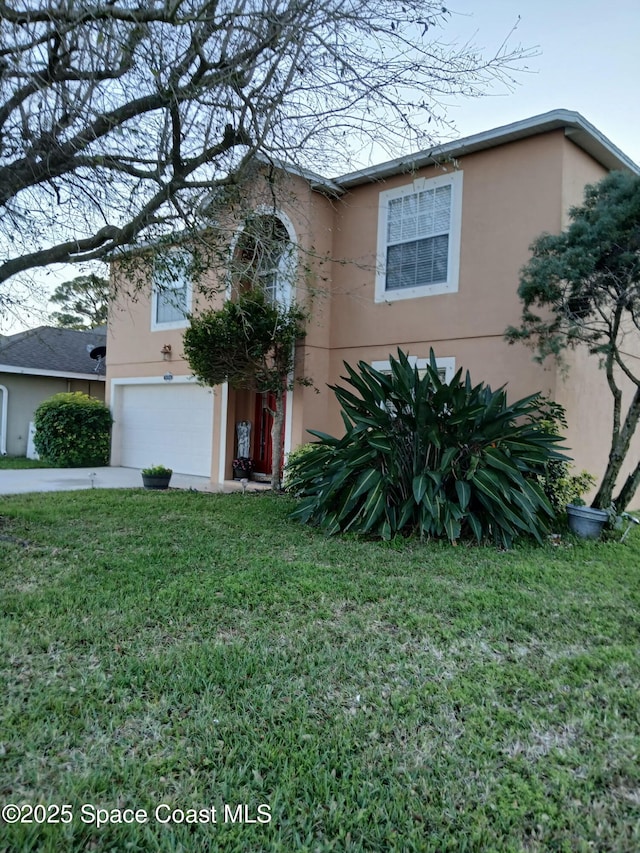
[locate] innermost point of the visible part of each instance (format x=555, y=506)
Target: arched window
x=264, y=258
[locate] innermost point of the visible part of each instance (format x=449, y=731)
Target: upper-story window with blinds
x=419, y=238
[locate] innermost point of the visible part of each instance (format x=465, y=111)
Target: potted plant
x=156, y=477
x=242, y=468
x=564, y=491
x=586, y=521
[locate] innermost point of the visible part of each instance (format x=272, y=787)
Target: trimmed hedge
x=73, y=430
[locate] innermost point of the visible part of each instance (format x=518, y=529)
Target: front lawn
x=12, y=462
x=190, y=651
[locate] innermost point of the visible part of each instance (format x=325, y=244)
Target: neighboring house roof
x=575, y=126
x=49, y=351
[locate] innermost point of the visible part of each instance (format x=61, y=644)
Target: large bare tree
x=118, y=118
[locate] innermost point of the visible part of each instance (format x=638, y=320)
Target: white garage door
x=165, y=425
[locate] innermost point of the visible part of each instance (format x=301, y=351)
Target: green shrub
x=562, y=487
x=73, y=430
x=420, y=455
x=157, y=471
x=558, y=483
x=294, y=458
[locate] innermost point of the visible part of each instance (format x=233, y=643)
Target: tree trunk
x=276, y=441
x=628, y=490
x=604, y=495
x=619, y=448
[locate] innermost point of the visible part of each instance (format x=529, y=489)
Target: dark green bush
x=423, y=456
x=73, y=430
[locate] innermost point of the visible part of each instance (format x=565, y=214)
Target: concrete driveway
x=19, y=481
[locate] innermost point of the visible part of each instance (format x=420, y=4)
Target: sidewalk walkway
x=21, y=481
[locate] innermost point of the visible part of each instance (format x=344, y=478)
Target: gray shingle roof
x=49, y=348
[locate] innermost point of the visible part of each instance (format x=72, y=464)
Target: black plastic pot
x=241, y=474
x=156, y=481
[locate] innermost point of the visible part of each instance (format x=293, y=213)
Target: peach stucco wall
x=135, y=350
x=511, y=194
x=583, y=389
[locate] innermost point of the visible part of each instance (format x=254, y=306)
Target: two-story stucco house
x=418, y=252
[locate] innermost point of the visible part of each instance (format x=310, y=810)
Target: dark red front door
x=262, y=458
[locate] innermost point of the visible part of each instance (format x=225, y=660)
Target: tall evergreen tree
x=84, y=302
x=582, y=288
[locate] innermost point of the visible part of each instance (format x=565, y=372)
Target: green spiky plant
x=419, y=455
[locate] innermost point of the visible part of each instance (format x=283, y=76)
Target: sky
x=588, y=61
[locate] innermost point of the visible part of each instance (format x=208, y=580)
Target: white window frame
x=277, y=282
x=157, y=294
x=454, y=179
x=448, y=364
x=284, y=291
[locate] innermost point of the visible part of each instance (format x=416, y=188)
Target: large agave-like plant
x=422, y=455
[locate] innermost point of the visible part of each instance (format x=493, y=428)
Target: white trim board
x=224, y=414
x=152, y=380
x=54, y=374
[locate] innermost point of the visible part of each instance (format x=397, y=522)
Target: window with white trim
x=265, y=257
x=419, y=238
x=171, y=294
x=446, y=367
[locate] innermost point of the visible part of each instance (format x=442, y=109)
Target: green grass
x=12, y=462
x=197, y=650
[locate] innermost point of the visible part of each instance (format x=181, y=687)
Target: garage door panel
x=166, y=425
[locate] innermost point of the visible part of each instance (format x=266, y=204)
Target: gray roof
x=52, y=350
x=575, y=126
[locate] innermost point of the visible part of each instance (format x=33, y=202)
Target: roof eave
x=575, y=126
x=317, y=182
x=55, y=374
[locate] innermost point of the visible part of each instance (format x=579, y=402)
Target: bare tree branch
x=153, y=105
